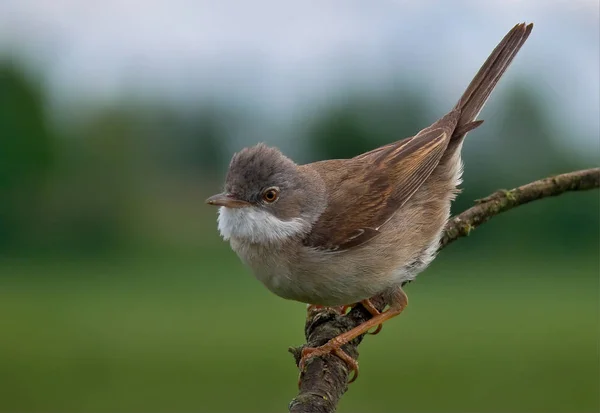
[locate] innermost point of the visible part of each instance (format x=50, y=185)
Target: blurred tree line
x=129, y=171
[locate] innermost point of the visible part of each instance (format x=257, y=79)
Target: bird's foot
x=397, y=302
x=342, y=309
x=374, y=312
x=331, y=347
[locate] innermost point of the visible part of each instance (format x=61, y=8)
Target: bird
x=338, y=232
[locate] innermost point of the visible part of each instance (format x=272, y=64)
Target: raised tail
x=480, y=88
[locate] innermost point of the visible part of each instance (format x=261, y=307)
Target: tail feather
x=480, y=88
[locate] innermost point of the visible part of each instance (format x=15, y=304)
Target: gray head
x=266, y=197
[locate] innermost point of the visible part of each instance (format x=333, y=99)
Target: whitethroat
x=337, y=232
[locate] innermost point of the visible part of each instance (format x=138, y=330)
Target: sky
x=279, y=57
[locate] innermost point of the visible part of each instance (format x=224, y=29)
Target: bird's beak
x=226, y=200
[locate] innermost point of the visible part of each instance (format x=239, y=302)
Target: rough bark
x=324, y=380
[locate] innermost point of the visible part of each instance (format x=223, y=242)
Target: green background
x=117, y=294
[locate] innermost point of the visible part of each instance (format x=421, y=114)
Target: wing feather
x=365, y=192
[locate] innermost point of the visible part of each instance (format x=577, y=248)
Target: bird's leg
x=373, y=311
x=340, y=309
x=398, y=301
x=313, y=307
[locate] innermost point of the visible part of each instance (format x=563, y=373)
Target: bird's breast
x=271, y=265
x=295, y=272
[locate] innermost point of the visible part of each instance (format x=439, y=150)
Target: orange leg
x=342, y=309
x=374, y=312
x=314, y=307
x=399, y=303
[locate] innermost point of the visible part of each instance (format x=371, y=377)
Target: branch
x=324, y=380
x=501, y=201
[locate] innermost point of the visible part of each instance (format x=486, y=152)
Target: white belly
x=315, y=277
x=271, y=267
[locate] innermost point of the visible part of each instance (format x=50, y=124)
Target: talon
x=315, y=307
x=310, y=352
x=398, y=303
x=376, y=331
x=350, y=362
x=306, y=354
x=374, y=312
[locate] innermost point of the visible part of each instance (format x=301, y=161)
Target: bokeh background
x=118, y=118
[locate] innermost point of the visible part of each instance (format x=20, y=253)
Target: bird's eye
x=270, y=195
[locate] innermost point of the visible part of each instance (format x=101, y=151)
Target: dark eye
x=270, y=195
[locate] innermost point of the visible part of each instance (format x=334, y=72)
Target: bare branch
x=324, y=380
x=501, y=201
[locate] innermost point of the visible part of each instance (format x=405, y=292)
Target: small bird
x=337, y=232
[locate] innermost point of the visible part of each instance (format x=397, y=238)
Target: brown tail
x=480, y=88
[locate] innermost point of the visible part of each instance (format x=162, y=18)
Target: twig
x=501, y=201
x=324, y=380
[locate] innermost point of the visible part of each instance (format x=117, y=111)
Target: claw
x=342, y=309
x=398, y=303
x=313, y=307
x=376, y=331
x=350, y=362
x=310, y=352
x=374, y=312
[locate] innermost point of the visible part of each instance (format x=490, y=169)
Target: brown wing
x=364, y=192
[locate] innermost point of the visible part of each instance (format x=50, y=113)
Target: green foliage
x=360, y=124
x=105, y=183
x=94, y=190
x=26, y=152
x=192, y=141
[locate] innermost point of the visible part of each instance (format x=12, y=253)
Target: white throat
x=257, y=226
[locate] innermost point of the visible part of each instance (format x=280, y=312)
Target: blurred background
x=118, y=118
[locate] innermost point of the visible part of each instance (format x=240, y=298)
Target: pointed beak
x=226, y=200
